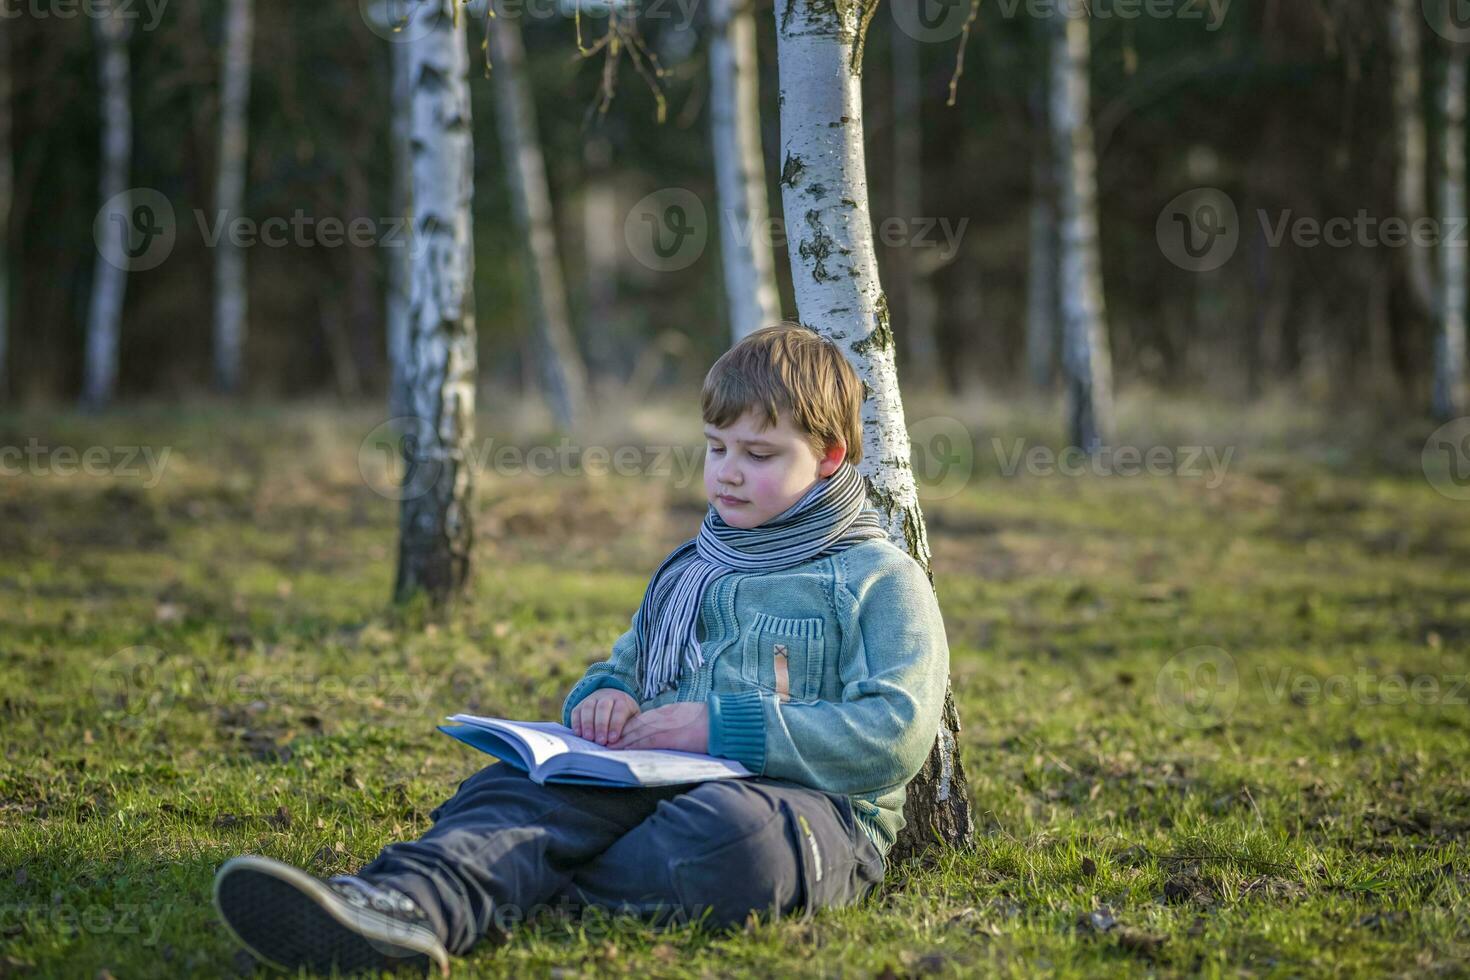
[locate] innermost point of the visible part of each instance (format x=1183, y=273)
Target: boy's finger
x=604, y=712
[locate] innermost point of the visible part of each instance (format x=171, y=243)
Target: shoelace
x=364, y=894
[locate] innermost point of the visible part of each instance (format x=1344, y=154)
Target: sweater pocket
x=783, y=656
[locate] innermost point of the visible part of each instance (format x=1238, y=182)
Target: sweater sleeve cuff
x=737, y=728
x=585, y=687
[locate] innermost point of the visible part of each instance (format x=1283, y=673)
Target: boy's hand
x=601, y=715
x=683, y=726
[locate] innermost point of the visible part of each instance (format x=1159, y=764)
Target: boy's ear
x=836, y=453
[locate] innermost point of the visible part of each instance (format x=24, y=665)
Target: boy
x=790, y=634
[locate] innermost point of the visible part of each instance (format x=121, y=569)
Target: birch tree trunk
x=109, y=279
x=824, y=189
x=7, y=192
x=1404, y=36
x=398, y=311
x=436, y=517
x=1449, y=399
x=563, y=376
x=1085, y=359
x=740, y=169
x=1042, y=260
x=915, y=306
x=231, y=295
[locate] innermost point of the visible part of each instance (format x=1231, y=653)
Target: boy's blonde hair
x=792, y=368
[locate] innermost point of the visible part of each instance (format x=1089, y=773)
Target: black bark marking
x=791, y=171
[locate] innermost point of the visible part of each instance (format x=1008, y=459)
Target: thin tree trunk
x=740, y=169
x=109, y=277
x=231, y=293
x=914, y=307
x=835, y=272
x=7, y=191
x=563, y=375
x=436, y=529
x=1042, y=260
x=1404, y=34
x=1085, y=360
x=398, y=308
x=600, y=258
x=1449, y=399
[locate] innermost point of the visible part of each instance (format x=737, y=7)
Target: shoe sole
x=289, y=919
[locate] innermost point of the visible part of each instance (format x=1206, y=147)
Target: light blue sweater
x=867, y=660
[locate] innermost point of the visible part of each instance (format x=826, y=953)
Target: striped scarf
x=830, y=517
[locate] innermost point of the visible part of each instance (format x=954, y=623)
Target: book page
x=547, y=740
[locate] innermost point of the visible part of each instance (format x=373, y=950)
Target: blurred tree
x=436, y=521
x=563, y=375
x=7, y=190
x=1404, y=20
x=1449, y=349
x=740, y=169
x=109, y=276
x=1086, y=361
x=231, y=291
x=911, y=286
x=834, y=268
x=1042, y=297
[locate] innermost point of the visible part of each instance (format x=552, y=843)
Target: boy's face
x=765, y=470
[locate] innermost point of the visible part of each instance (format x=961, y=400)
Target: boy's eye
x=754, y=456
x=715, y=449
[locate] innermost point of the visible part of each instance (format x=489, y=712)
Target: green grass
x=210, y=667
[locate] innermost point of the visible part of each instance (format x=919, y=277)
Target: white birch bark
x=436, y=518
x=231, y=295
x=1449, y=398
x=1404, y=18
x=109, y=281
x=563, y=375
x=1085, y=359
x=7, y=192
x=740, y=169
x=824, y=189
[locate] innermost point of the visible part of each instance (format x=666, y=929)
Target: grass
x=1208, y=729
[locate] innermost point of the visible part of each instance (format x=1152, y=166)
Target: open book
x=550, y=753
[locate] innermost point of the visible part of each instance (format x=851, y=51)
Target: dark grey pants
x=714, y=851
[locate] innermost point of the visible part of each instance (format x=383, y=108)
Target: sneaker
x=291, y=919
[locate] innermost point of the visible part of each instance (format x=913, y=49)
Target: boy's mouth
x=728, y=500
